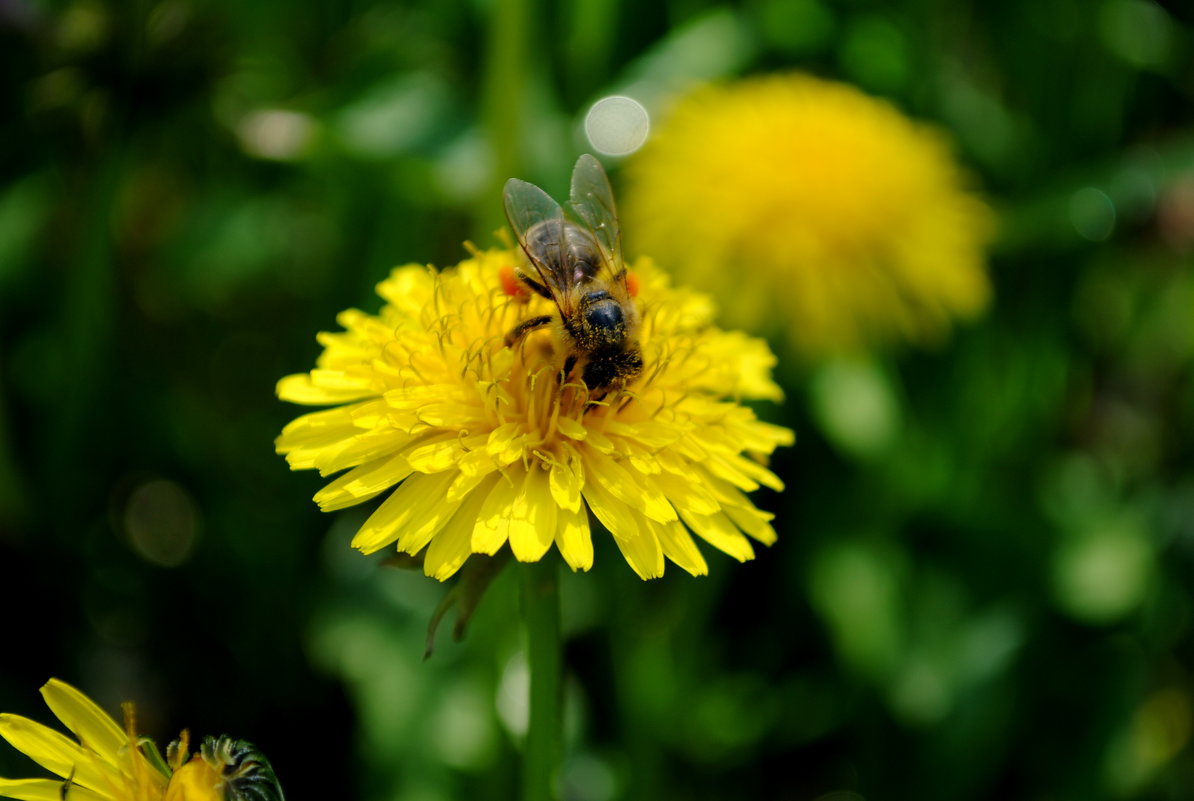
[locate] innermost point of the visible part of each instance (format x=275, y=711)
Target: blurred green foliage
x=982, y=588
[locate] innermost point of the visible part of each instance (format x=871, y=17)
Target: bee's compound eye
x=606, y=315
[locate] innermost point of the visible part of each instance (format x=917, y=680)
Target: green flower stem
x=541, y=609
x=504, y=103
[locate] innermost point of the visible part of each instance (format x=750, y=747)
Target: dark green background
x=982, y=588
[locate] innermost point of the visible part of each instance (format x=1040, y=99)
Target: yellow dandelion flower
x=108, y=763
x=796, y=199
x=482, y=445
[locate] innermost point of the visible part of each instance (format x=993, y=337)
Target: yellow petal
x=422, y=396
x=305, y=439
x=754, y=522
x=450, y=548
x=440, y=453
x=304, y=389
x=492, y=528
x=618, y=519
x=718, y=531
x=759, y=473
x=638, y=545
x=572, y=429
x=427, y=518
x=628, y=489
x=651, y=434
x=573, y=538
x=565, y=487
x=362, y=483
x=317, y=423
x=447, y=414
x=360, y=449
x=691, y=496
x=94, y=728
x=643, y=553
x=476, y=462
x=727, y=471
x=45, y=790
x=533, y=518
x=337, y=380
x=677, y=465
x=678, y=546
x=55, y=752
x=762, y=437
x=693, y=447
x=408, y=500
x=725, y=492
x=642, y=460
x=502, y=439
x=465, y=484
x=602, y=443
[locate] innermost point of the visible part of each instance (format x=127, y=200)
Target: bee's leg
x=534, y=285
x=525, y=327
x=569, y=363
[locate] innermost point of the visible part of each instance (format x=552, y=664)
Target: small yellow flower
x=108, y=763
x=804, y=201
x=482, y=446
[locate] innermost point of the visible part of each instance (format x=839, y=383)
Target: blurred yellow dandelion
x=482, y=445
x=803, y=201
x=108, y=763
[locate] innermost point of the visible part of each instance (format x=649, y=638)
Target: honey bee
x=577, y=264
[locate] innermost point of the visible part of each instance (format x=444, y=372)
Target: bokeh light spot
x=1138, y=31
x=921, y=694
x=275, y=134
x=1158, y=732
x=855, y=587
x=394, y=116
x=855, y=407
x=461, y=729
x=167, y=21
x=162, y=522
x=588, y=778
x=83, y=26
x=1102, y=575
x=617, y=125
x=876, y=54
x=797, y=26
x=513, y=696
x=1092, y=213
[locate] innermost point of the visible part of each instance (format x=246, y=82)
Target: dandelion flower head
x=480, y=445
x=806, y=201
x=109, y=763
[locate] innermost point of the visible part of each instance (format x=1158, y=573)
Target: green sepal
x=152, y=755
x=475, y=578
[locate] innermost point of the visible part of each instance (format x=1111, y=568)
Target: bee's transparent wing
x=593, y=202
x=527, y=206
